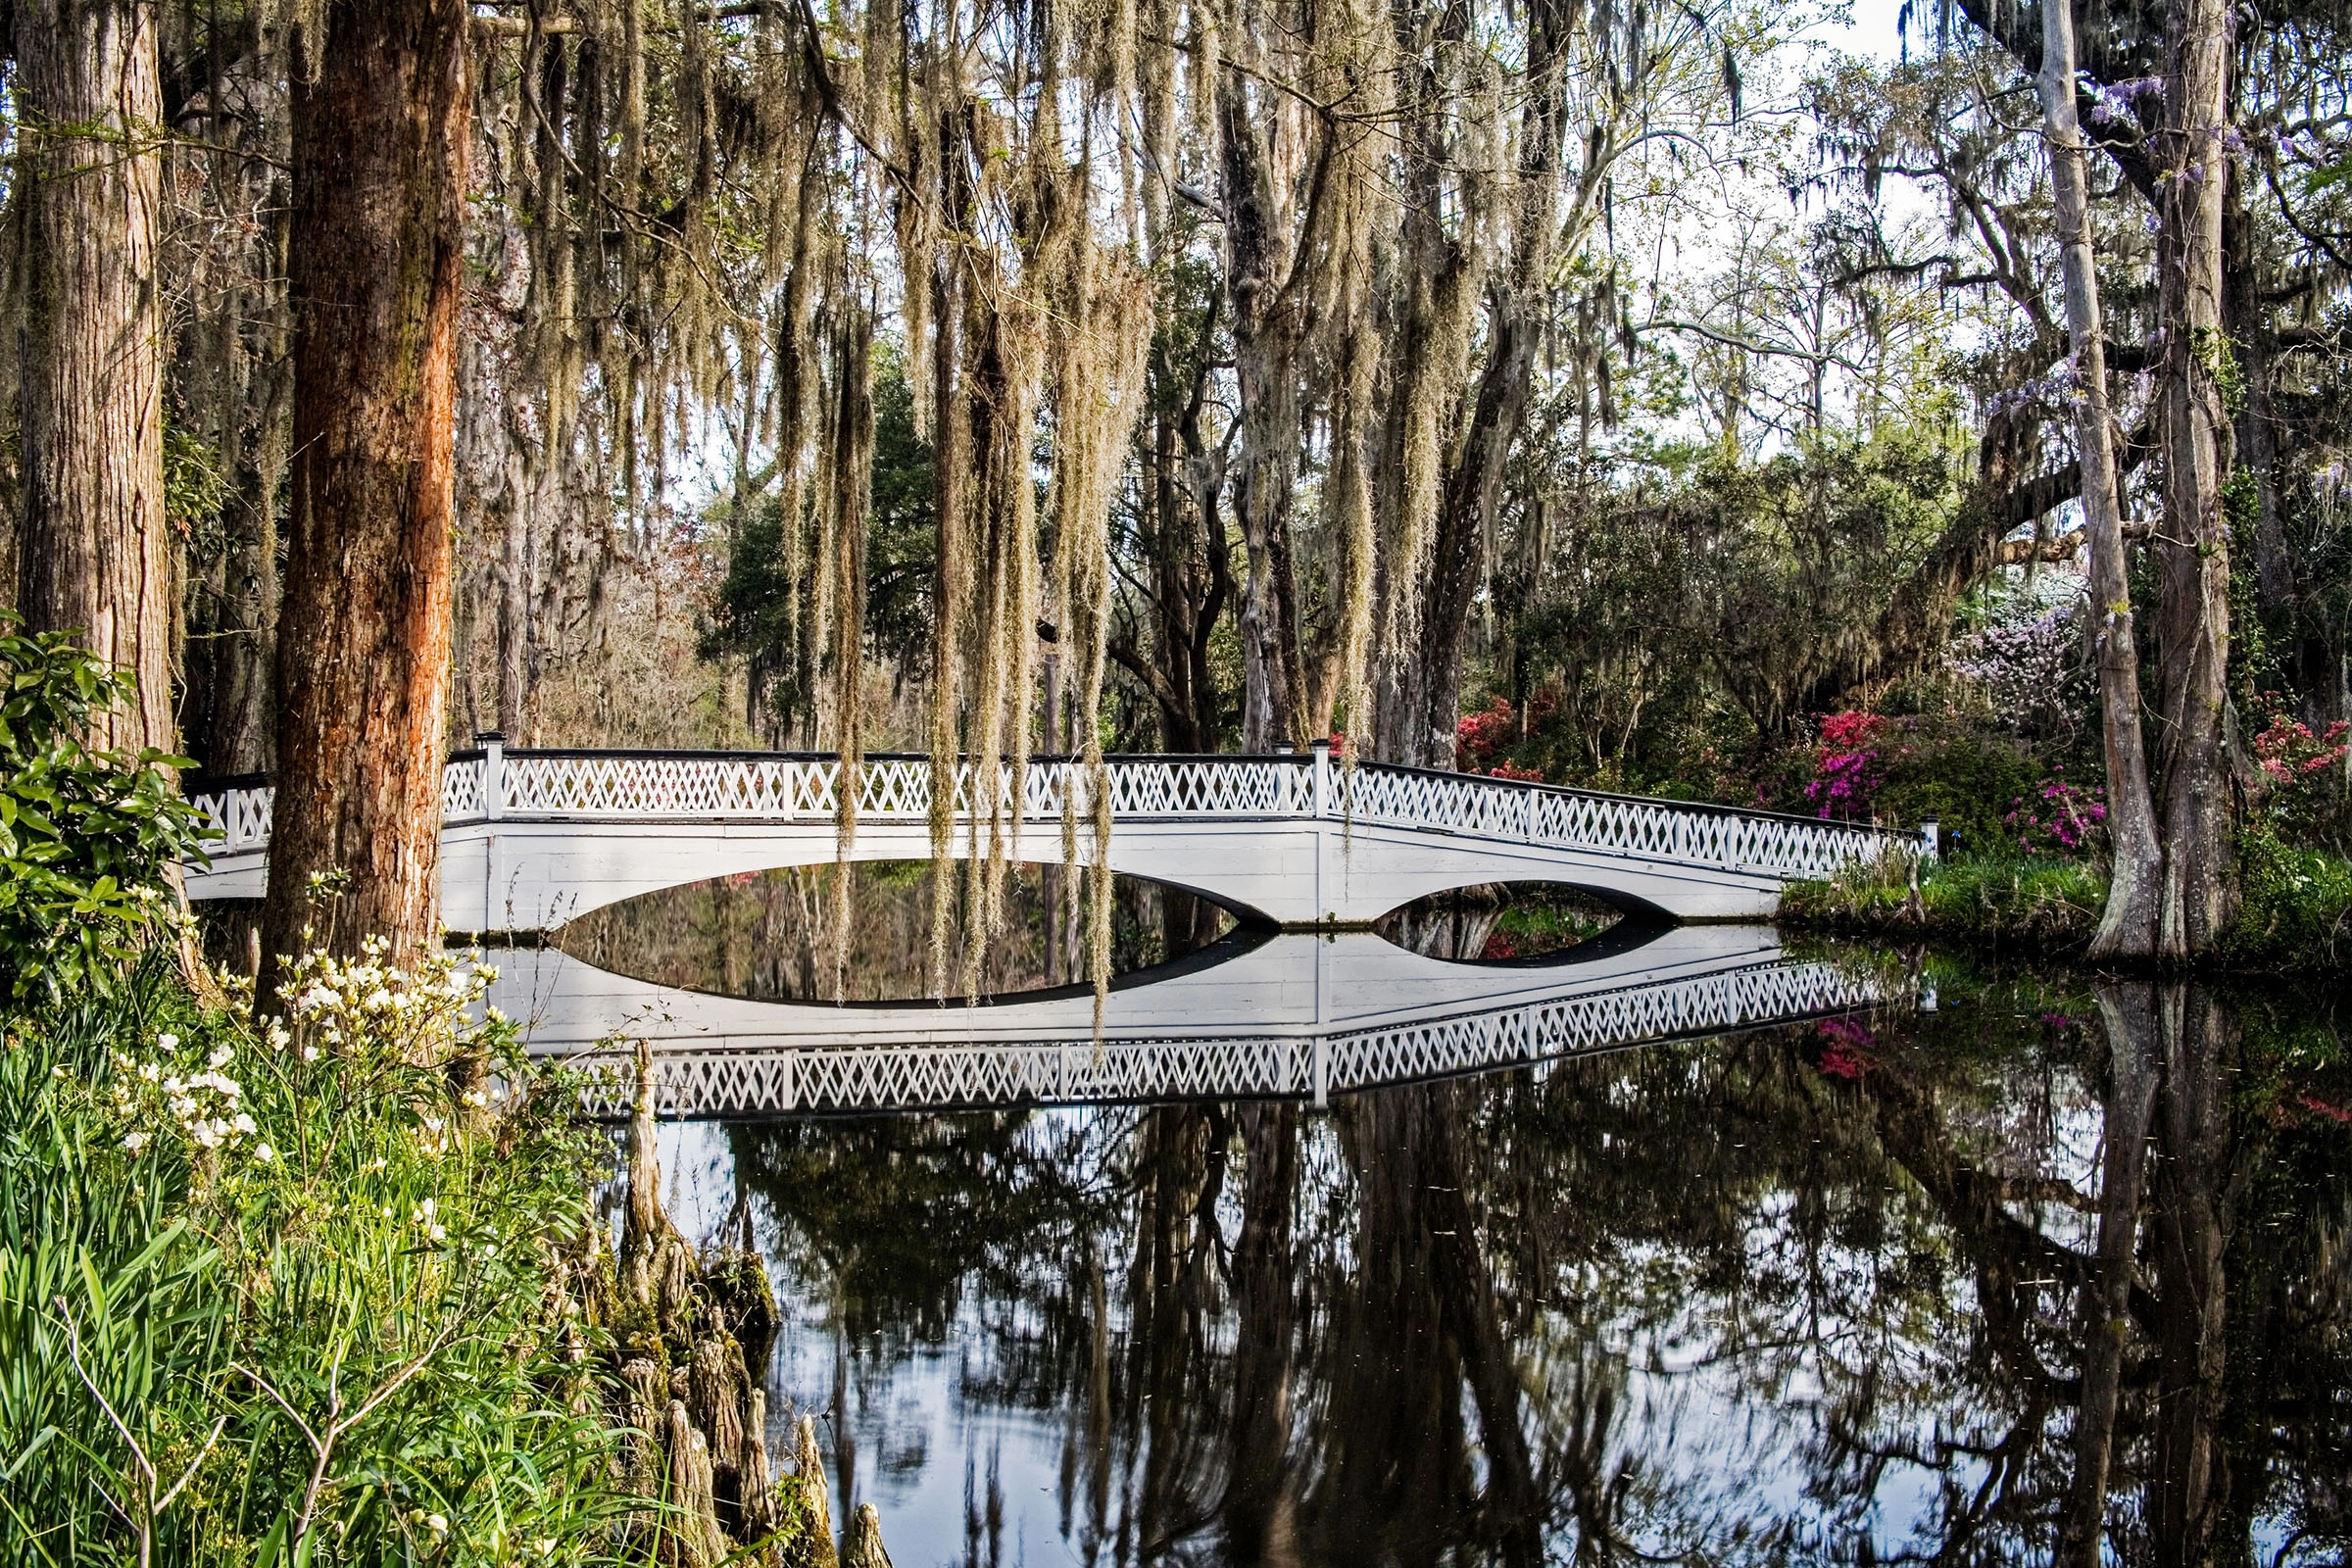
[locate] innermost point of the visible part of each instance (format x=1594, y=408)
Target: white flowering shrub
x=2027, y=654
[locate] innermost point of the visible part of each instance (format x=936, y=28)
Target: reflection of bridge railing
x=655, y=786
x=729, y=1083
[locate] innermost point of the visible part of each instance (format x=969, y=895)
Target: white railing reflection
x=875, y=1077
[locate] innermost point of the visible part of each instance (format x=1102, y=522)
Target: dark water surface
x=1917, y=1288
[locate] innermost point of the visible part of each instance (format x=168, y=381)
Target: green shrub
x=87, y=837
x=2045, y=903
x=223, y=1250
x=2295, y=908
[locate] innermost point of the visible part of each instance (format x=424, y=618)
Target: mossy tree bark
x=92, y=554
x=379, y=181
x=2192, y=547
x=2128, y=926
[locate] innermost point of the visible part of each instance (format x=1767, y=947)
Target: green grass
x=2048, y=906
x=359, y=1239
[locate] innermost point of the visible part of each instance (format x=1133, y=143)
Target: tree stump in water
x=862, y=1546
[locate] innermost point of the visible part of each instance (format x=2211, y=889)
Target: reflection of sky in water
x=1716, y=1437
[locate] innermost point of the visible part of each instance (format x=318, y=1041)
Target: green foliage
x=333, y=1224
x=2296, y=908
x=2296, y=912
x=87, y=837
x=1692, y=597
x=195, y=485
x=2044, y=905
x=765, y=602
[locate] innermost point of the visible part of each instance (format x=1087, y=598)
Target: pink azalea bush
x=1479, y=736
x=2304, y=778
x=1849, y=770
x=2058, y=818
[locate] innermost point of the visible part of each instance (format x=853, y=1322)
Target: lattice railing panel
x=884, y=1078
x=241, y=815
x=1499, y=809
x=461, y=791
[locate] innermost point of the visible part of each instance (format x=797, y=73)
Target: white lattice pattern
x=638, y=786
x=240, y=814
x=1672, y=830
x=737, y=1082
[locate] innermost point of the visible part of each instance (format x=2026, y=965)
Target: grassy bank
x=2295, y=914
x=333, y=1289
x=327, y=1288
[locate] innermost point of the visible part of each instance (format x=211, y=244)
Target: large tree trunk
x=380, y=156
x=2128, y=926
x=92, y=556
x=1265, y=348
x=1472, y=492
x=2193, y=547
x=1464, y=523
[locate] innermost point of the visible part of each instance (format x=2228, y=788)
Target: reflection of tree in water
x=1821, y=1295
x=1496, y=920
x=765, y=934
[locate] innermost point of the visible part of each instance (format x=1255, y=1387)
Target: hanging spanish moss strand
x=1003, y=404
x=845, y=553
x=1101, y=386
x=951, y=430
x=1352, y=518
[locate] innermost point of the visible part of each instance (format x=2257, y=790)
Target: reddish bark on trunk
x=379, y=152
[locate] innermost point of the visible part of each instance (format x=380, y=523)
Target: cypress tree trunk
x=2128, y=926
x=2199, y=895
x=379, y=155
x=92, y=556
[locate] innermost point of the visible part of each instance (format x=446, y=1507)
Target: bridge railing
x=758, y=1080
x=1686, y=831
x=635, y=786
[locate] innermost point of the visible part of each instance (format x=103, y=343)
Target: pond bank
x=2296, y=915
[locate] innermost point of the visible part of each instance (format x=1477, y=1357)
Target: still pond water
x=1813, y=1292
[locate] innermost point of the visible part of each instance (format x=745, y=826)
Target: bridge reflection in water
x=1260, y=1016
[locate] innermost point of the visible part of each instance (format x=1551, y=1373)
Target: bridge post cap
x=489, y=737
x=1285, y=749
x=1321, y=745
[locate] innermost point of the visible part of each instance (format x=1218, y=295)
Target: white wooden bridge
x=532, y=840
x=1293, y=1014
